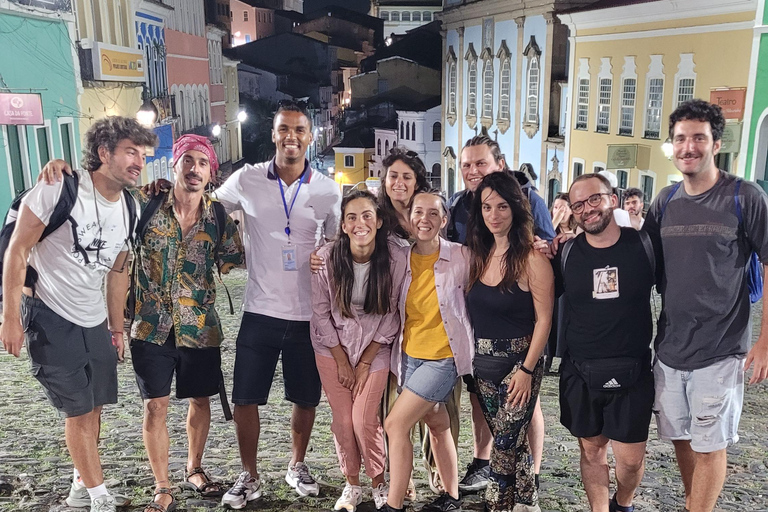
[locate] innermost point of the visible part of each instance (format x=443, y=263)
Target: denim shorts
x=431, y=380
x=702, y=406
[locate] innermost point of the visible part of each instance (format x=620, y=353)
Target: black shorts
x=260, y=342
x=198, y=370
x=77, y=366
x=622, y=416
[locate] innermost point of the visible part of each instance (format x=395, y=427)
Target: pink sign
x=20, y=108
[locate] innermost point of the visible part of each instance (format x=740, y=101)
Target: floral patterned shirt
x=175, y=288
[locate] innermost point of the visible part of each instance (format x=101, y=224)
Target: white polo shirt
x=254, y=189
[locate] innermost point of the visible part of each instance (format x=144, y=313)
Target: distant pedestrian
x=706, y=228
x=289, y=210
x=510, y=299
x=633, y=204
x=354, y=322
x=73, y=343
x=606, y=384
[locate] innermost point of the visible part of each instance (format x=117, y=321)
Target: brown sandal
x=209, y=488
x=157, y=507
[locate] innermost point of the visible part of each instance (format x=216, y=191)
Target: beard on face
x=600, y=225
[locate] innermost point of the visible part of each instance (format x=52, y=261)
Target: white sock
x=76, y=478
x=99, y=490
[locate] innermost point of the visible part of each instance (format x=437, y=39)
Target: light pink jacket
x=328, y=327
x=451, y=276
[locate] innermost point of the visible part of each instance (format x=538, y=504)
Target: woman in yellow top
x=434, y=349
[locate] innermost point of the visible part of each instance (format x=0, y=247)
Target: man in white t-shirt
x=73, y=342
x=289, y=209
x=633, y=205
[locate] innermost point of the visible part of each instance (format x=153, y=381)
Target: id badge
x=289, y=258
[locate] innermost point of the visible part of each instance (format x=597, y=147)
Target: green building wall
x=760, y=98
x=37, y=55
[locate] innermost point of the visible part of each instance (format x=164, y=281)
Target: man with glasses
x=606, y=383
x=73, y=343
x=289, y=209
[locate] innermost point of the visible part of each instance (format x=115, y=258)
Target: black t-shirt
x=608, y=292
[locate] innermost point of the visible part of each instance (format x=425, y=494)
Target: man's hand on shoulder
x=54, y=171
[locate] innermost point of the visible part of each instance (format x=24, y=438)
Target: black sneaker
x=615, y=507
x=476, y=479
x=443, y=503
x=387, y=508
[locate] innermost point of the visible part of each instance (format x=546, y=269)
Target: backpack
x=645, y=238
x=219, y=214
x=754, y=268
x=61, y=213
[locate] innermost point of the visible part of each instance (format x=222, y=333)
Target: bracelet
x=525, y=370
x=364, y=362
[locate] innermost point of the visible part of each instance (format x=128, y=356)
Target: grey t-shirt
x=705, y=315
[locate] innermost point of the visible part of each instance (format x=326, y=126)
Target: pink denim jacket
x=328, y=327
x=451, y=276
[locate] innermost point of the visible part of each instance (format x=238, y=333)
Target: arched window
x=472, y=92
x=386, y=148
x=406, y=16
x=378, y=147
x=402, y=130
x=437, y=131
x=506, y=85
x=488, y=88
x=395, y=16
x=407, y=131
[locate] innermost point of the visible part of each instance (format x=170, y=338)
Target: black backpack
x=61, y=213
x=220, y=215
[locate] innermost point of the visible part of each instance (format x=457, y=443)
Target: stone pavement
x=35, y=470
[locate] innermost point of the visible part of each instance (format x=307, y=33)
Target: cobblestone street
x=35, y=470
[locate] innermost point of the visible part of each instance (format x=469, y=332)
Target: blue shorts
x=431, y=380
x=702, y=406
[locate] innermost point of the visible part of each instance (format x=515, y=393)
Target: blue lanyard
x=285, y=205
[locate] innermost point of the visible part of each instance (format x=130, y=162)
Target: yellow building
x=631, y=65
x=353, y=157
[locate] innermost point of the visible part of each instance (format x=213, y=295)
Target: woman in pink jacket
x=355, y=319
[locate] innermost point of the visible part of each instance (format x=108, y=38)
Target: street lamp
x=242, y=116
x=667, y=149
x=216, y=130
x=147, y=114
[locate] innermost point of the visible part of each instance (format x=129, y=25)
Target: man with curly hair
x=52, y=288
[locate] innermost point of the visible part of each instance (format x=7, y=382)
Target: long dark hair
x=480, y=240
x=571, y=219
x=412, y=160
x=379, y=290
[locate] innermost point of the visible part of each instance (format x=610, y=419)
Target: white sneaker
x=380, y=494
x=79, y=497
x=351, y=497
x=104, y=503
x=299, y=478
x=244, y=490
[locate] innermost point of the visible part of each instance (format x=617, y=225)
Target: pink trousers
x=356, y=425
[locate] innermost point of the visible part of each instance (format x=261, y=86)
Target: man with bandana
x=176, y=328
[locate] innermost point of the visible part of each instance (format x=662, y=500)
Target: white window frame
x=451, y=84
x=655, y=72
x=486, y=108
x=47, y=127
x=685, y=71
x=471, y=58
x=575, y=161
x=628, y=101
x=599, y=166
x=23, y=150
x=583, y=83
x=618, y=179
x=505, y=84
x=532, y=85
x=71, y=122
x=604, y=97
x=648, y=197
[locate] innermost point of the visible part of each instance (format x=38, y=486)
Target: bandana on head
x=197, y=143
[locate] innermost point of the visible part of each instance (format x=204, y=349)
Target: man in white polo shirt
x=288, y=209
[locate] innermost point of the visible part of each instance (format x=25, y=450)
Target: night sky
x=357, y=5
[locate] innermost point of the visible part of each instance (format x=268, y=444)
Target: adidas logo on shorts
x=611, y=384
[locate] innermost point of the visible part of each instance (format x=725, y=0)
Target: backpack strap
x=67, y=199
x=140, y=229
x=566, y=249
x=645, y=238
x=220, y=215
x=146, y=215
x=675, y=187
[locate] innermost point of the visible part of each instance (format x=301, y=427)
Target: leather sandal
x=208, y=489
x=158, y=507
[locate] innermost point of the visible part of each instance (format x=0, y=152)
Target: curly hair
x=108, y=132
x=412, y=160
x=699, y=110
x=480, y=240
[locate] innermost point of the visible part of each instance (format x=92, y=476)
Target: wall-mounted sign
x=731, y=139
x=730, y=100
x=20, y=108
x=117, y=63
x=622, y=156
